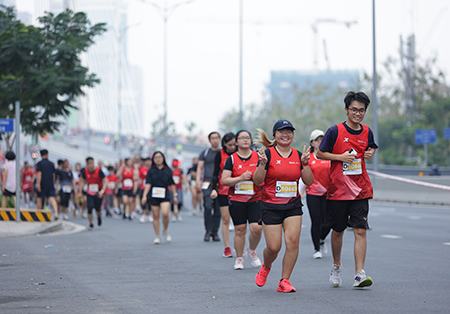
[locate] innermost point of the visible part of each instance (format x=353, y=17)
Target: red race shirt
x=177, y=175
x=111, y=184
x=27, y=180
x=245, y=191
x=223, y=189
x=142, y=175
x=350, y=181
x=127, y=179
x=321, y=171
x=283, y=174
x=94, y=181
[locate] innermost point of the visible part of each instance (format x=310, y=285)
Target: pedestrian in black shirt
x=45, y=182
x=158, y=184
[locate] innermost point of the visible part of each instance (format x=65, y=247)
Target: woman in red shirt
x=280, y=169
x=128, y=176
x=316, y=196
x=244, y=198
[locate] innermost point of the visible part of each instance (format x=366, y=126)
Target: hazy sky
x=203, y=46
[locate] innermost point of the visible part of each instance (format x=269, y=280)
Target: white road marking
x=414, y=217
x=391, y=236
x=446, y=243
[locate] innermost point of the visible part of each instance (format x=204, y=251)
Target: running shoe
x=215, y=237
x=335, y=276
x=84, y=215
x=143, y=219
x=179, y=218
x=157, y=241
x=285, y=286
x=323, y=248
x=207, y=237
x=168, y=238
x=227, y=252
x=239, y=263
x=174, y=219
x=99, y=221
x=91, y=226
x=317, y=255
x=255, y=261
x=231, y=227
x=150, y=218
x=362, y=280
x=66, y=217
x=261, y=276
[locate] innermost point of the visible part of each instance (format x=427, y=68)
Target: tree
x=41, y=67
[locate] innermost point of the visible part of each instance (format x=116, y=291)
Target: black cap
x=282, y=124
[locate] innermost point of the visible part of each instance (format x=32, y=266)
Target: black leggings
x=320, y=222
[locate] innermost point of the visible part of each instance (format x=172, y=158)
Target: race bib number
x=67, y=189
x=352, y=168
x=93, y=188
x=205, y=185
x=244, y=188
x=127, y=183
x=111, y=185
x=158, y=192
x=176, y=179
x=286, y=189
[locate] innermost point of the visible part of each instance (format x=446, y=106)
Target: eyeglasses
x=354, y=110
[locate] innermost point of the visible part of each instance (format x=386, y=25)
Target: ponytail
x=263, y=138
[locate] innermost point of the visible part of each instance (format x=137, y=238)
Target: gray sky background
x=203, y=47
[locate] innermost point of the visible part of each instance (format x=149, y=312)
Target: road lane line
x=391, y=236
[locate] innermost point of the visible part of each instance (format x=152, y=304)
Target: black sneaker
x=124, y=216
x=207, y=237
x=215, y=238
x=129, y=218
x=99, y=221
x=91, y=226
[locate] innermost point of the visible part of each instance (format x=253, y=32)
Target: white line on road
x=391, y=236
x=414, y=217
x=446, y=243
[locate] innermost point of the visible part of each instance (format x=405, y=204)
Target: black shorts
x=157, y=201
x=223, y=200
x=8, y=193
x=348, y=214
x=128, y=193
x=47, y=192
x=277, y=216
x=242, y=212
x=64, y=199
x=93, y=202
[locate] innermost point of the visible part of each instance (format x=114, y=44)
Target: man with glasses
x=348, y=145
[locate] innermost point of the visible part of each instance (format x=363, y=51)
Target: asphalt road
x=117, y=269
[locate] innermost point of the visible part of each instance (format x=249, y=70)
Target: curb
x=48, y=228
x=29, y=215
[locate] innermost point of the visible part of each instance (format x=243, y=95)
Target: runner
x=127, y=176
x=95, y=181
x=196, y=196
x=79, y=199
x=64, y=178
x=159, y=183
x=143, y=169
x=348, y=145
x=180, y=180
x=205, y=172
x=244, y=198
x=280, y=168
x=9, y=179
x=316, y=196
x=220, y=191
x=111, y=191
x=45, y=182
x=27, y=174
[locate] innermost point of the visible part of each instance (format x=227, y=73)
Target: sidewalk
x=17, y=229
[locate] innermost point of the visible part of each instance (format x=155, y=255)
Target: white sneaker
x=362, y=280
x=150, y=218
x=255, y=261
x=239, y=263
x=157, y=241
x=179, y=217
x=317, y=255
x=66, y=217
x=168, y=238
x=174, y=218
x=231, y=227
x=143, y=219
x=323, y=249
x=84, y=215
x=335, y=276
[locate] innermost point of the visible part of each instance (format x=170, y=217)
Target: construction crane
x=315, y=30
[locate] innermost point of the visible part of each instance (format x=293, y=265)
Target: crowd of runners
x=252, y=184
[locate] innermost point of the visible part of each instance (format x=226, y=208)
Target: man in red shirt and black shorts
x=348, y=145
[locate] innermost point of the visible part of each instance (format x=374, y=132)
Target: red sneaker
x=285, y=286
x=261, y=276
x=227, y=252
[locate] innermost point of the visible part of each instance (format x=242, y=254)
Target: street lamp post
x=165, y=12
x=241, y=64
x=374, y=87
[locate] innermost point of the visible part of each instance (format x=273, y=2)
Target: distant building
x=99, y=108
x=285, y=84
